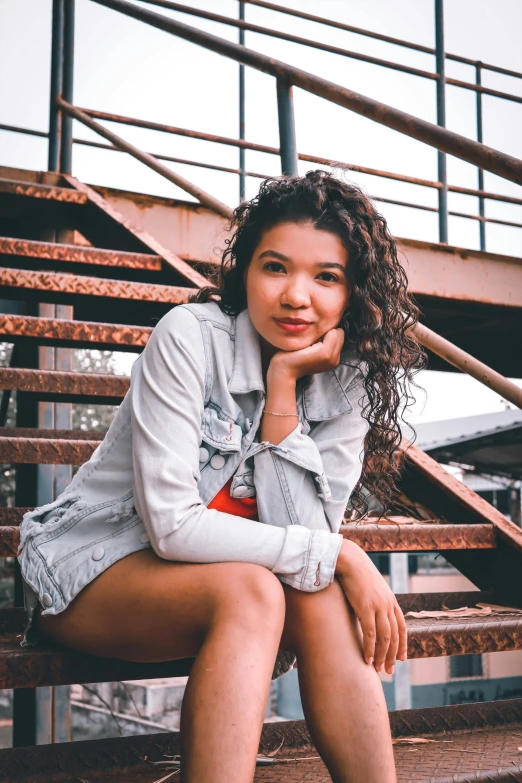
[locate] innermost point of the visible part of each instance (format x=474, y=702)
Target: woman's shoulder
x=185, y=320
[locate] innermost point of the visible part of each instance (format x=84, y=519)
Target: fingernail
x=369, y=661
x=392, y=670
x=380, y=668
x=403, y=657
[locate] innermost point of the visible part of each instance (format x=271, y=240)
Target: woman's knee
x=250, y=594
x=315, y=615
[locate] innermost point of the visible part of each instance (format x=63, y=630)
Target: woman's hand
x=381, y=618
x=321, y=356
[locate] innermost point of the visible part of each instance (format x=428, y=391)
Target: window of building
x=466, y=666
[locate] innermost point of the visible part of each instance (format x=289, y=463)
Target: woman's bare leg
x=229, y=615
x=342, y=696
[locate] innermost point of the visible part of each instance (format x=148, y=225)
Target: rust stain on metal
x=142, y=236
x=431, y=638
x=12, y=516
x=420, y=537
x=80, y=285
x=50, y=434
x=35, y=451
x=50, y=381
x=78, y=254
x=46, y=192
x=9, y=540
x=463, y=495
x=75, y=333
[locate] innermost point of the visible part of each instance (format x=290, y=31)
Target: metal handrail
x=286, y=75
x=377, y=36
x=205, y=198
x=269, y=31
x=249, y=145
x=259, y=175
x=429, y=339
x=444, y=140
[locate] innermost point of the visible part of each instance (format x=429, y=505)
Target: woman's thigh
x=144, y=608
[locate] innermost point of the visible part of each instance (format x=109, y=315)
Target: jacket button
x=98, y=553
x=203, y=454
x=144, y=538
x=46, y=600
x=217, y=461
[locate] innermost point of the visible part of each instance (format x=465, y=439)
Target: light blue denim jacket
x=188, y=423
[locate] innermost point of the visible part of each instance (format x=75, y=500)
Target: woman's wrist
x=345, y=557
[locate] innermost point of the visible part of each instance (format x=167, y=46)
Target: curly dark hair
x=377, y=320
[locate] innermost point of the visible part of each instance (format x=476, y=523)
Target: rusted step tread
x=421, y=536
x=57, y=382
x=47, y=192
x=83, y=285
x=50, y=434
x=46, y=451
x=80, y=254
x=25, y=667
x=427, y=637
x=467, y=738
x=77, y=334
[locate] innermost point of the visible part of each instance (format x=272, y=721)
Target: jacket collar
x=247, y=372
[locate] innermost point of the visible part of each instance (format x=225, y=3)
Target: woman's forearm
x=280, y=398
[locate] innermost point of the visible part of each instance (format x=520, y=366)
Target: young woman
x=206, y=523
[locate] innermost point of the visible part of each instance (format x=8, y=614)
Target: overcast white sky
x=128, y=68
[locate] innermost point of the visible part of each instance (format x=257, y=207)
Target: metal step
x=51, y=251
x=74, y=334
x=66, y=386
x=25, y=667
x=411, y=535
x=47, y=192
x=465, y=738
x=48, y=284
x=45, y=451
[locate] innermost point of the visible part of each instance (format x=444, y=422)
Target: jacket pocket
x=220, y=430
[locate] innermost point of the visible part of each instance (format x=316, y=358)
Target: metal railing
x=62, y=55
x=486, y=158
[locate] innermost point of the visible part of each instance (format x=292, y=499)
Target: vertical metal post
x=67, y=86
x=482, y=225
x=441, y=117
x=55, y=116
x=399, y=579
x=287, y=142
x=24, y=699
x=242, y=175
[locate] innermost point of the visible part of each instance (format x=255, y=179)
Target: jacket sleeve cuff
x=318, y=569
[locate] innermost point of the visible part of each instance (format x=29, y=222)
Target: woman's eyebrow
x=274, y=254
x=331, y=265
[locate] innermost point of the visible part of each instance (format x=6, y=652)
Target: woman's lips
x=295, y=328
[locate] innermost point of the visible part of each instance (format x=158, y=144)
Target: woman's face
x=297, y=285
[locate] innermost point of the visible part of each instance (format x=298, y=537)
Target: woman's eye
x=331, y=278
x=273, y=266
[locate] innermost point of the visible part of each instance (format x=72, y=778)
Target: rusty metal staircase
x=449, y=518
x=63, y=245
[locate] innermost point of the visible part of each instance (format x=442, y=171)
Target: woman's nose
x=295, y=294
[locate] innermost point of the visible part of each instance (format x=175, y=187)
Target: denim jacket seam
x=46, y=569
x=283, y=483
x=84, y=512
x=107, y=444
x=132, y=523
x=307, y=560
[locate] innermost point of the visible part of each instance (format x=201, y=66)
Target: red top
x=241, y=507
